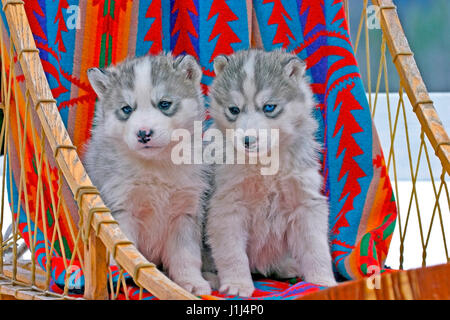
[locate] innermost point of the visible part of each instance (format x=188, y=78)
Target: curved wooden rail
x=412, y=81
x=418, y=284
x=104, y=232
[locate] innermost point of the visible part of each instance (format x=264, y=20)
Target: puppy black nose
x=248, y=141
x=144, y=135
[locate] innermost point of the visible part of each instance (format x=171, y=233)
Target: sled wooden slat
x=20, y=292
x=24, y=275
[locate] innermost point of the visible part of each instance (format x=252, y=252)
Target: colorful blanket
x=74, y=35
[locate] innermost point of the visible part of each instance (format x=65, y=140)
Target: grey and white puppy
x=268, y=223
x=157, y=203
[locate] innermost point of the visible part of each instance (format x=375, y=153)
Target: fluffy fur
x=157, y=203
x=274, y=223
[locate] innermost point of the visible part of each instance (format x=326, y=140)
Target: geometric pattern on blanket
x=362, y=205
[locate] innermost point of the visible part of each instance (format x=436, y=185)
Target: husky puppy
x=157, y=203
x=271, y=224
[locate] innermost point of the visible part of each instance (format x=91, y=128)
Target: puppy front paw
x=237, y=288
x=213, y=279
x=197, y=287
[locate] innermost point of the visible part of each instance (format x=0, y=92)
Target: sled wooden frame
x=415, y=284
x=102, y=231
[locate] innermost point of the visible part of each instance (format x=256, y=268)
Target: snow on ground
x=413, y=244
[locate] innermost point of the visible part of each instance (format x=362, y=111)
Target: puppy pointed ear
x=189, y=66
x=294, y=68
x=98, y=79
x=219, y=63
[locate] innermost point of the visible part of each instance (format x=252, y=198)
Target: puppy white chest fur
x=269, y=215
x=268, y=204
x=156, y=203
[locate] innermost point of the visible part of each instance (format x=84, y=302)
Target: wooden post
x=95, y=269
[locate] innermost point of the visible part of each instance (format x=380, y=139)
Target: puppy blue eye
x=234, y=110
x=269, y=107
x=164, y=105
x=127, y=109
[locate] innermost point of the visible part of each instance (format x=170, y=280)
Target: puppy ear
x=189, y=66
x=98, y=79
x=219, y=63
x=294, y=68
